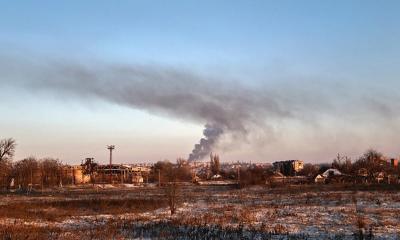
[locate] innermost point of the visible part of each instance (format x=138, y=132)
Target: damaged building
x=121, y=173
x=289, y=167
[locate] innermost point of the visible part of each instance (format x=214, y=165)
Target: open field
x=203, y=212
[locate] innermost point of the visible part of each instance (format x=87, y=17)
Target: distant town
x=28, y=174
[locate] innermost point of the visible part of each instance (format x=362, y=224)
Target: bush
x=252, y=176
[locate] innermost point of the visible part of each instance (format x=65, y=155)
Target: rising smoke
x=205, y=146
x=223, y=106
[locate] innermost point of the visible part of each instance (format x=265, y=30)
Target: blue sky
x=206, y=32
x=350, y=43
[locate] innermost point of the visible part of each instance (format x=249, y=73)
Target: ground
x=203, y=212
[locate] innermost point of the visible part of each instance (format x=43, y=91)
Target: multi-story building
x=289, y=167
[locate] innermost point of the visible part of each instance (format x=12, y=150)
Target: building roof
x=277, y=175
x=330, y=171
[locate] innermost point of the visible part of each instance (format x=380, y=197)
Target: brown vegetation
x=7, y=149
x=54, y=209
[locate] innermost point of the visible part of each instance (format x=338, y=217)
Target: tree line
x=50, y=172
x=29, y=171
x=371, y=161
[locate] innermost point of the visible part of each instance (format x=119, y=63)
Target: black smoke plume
x=225, y=106
x=205, y=146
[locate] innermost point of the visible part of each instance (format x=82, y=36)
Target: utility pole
x=111, y=148
x=41, y=168
x=238, y=174
x=31, y=185
x=194, y=171
x=159, y=178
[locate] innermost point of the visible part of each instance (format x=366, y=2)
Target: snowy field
x=203, y=212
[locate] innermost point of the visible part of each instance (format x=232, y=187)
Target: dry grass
x=267, y=210
x=59, y=209
x=28, y=232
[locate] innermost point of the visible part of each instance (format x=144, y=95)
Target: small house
x=331, y=172
x=319, y=179
x=137, y=179
x=393, y=179
x=363, y=172
x=277, y=177
x=379, y=177
x=216, y=177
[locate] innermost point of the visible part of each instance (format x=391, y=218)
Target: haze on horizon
x=278, y=79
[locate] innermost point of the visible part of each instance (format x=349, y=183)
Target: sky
x=281, y=79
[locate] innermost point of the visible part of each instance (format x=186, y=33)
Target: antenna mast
x=111, y=148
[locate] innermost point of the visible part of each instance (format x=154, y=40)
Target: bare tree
x=171, y=191
x=309, y=170
x=50, y=171
x=371, y=160
x=7, y=149
x=89, y=167
x=343, y=164
x=165, y=168
x=252, y=176
x=182, y=170
x=5, y=173
x=171, y=188
x=25, y=171
x=214, y=164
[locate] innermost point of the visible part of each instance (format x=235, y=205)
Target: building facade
x=289, y=167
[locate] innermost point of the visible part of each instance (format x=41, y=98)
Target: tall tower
x=111, y=148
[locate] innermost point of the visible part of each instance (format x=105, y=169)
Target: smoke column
x=205, y=146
